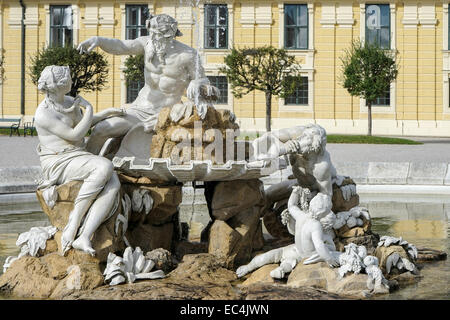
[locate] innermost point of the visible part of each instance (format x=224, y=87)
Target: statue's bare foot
x=242, y=271
x=83, y=244
x=67, y=237
x=277, y=273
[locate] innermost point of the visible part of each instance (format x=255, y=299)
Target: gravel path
x=18, y=151
x=433, y=150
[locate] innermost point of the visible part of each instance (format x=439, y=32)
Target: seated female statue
x=62, y=126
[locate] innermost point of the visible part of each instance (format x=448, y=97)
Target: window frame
x=132, y=90
x=139, y=28
x=446, y=19
x=61, y=27
x=378, y=36
x=298, y=89
x=393, y=17
x=384, y=100
x=296, y=27
x=216, y=84
x=216, y=26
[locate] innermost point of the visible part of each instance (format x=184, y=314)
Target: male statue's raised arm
x=171, y=69
x=112, y=46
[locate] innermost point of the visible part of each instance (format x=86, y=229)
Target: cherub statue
x=62, y=126
x=313, y=237
x=170, y=68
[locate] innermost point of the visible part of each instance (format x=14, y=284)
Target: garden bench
x=13, y=125
x=28, y=127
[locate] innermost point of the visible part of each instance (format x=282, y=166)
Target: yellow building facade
x=418, y=32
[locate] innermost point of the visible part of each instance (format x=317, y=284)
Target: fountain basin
x=196, y=170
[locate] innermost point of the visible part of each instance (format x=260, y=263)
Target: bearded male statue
x=305, y=147
x=170, y=68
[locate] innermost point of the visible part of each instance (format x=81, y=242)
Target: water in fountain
x=194, y=4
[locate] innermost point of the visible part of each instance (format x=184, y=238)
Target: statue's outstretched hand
x=88, y=45
x=202, y=88
x=210, y=91
x=292, y=146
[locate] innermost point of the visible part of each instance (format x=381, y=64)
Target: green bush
x=89, y=70
x=134, y=69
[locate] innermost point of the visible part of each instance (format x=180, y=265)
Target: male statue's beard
x=160, y=48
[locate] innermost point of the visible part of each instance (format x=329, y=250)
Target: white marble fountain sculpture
x=170, y=69
x=356, y=260
x=163, y=53
x=314, y=172
x=129, y=268
x=30, y=242
x=305, y=148
x=312, y=224
x=312, y=228
x=61, y=128
x=395, y=260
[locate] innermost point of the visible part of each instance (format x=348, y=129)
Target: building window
x=378, y=28
x=295, y=26
x=136, y=15
x=133, y=89
x=300, y=95
x=61, y=26
x=448, y=32
x=384, y=100
x=221, y=83
x=135, y=24
x=216, y=26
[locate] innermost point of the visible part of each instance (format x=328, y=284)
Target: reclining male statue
x=313, y=238
x=170, y=68
x=305, y=146
x=61, y=128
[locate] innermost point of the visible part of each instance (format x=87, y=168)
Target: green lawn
x=6, y=132
x=339, y=138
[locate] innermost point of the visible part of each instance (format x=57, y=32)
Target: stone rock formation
x=105, y=239
x=156, y=227
x=339, y=201
x=192, y=138
x=162, y=258
x=52, y=275
x=321, y=276
x=237, y=229
x=198, y=276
